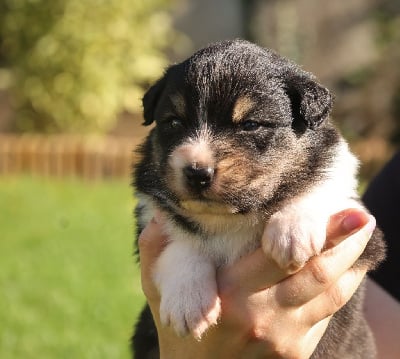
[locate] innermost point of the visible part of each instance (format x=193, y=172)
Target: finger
x=249, y=274
x=324, y=270
x=330, y=301
x=344, y=223
x=313, y=336
x=151, y=243
x=256, y=271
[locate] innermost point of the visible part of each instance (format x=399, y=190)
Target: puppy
x=243, y=155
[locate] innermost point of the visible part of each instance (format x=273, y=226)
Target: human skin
x=266, y=312
x=383, y=315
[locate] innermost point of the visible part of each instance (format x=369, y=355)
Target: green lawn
x=69, y=285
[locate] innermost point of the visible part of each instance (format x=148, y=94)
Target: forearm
x=383, y=315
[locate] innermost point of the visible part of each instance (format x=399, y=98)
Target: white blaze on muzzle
x=195, y=154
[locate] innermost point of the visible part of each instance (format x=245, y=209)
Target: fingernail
x=353, y=221
x=370, y=226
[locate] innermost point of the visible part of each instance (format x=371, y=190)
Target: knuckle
x=337, y=298
x=320, y=274
x=257, y=335
x=276, y=344
x=272, y=345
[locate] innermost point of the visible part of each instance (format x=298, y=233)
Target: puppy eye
x=173, y=123
x=250, y=125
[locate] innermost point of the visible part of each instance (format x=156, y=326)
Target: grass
x=69, y=283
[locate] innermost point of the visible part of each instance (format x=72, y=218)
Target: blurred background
x=72, y=74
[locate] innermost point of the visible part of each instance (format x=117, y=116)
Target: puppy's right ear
x=150, y=100
x=311, y=102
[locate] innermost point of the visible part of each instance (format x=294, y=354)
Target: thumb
x=151, y=243
x=343, y=224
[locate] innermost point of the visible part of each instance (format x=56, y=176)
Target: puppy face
x=238, y=128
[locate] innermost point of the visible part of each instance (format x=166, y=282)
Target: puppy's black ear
x=311, y=102
x=150, y=100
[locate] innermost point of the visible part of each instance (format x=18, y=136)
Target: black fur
x=292, y=100
x=145, y=341
x=290, y=109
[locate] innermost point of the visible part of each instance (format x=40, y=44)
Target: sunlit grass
x=69, y=283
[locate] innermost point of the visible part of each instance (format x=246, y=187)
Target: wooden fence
x=61, y=156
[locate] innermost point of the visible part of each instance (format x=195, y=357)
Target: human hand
x=264, y=314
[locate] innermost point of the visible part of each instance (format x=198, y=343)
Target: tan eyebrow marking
x=178, y=102
x=242, y=107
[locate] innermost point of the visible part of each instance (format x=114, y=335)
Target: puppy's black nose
x=198, y=177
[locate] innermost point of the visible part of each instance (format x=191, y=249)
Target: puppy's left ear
x=311, y=102
x=150, y=100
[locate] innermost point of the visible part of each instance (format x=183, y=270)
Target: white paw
x=292, y=237
x=191, y=307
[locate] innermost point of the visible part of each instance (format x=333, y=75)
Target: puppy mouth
x=210, y=207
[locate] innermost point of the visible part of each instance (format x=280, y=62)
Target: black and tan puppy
x=242, y=139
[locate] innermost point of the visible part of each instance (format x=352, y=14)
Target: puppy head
x=236, y=127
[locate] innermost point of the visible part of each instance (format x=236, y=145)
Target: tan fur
x=241, y=108
x=211, y=207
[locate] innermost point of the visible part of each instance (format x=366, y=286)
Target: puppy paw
x=291, y=238
x=190, y=309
